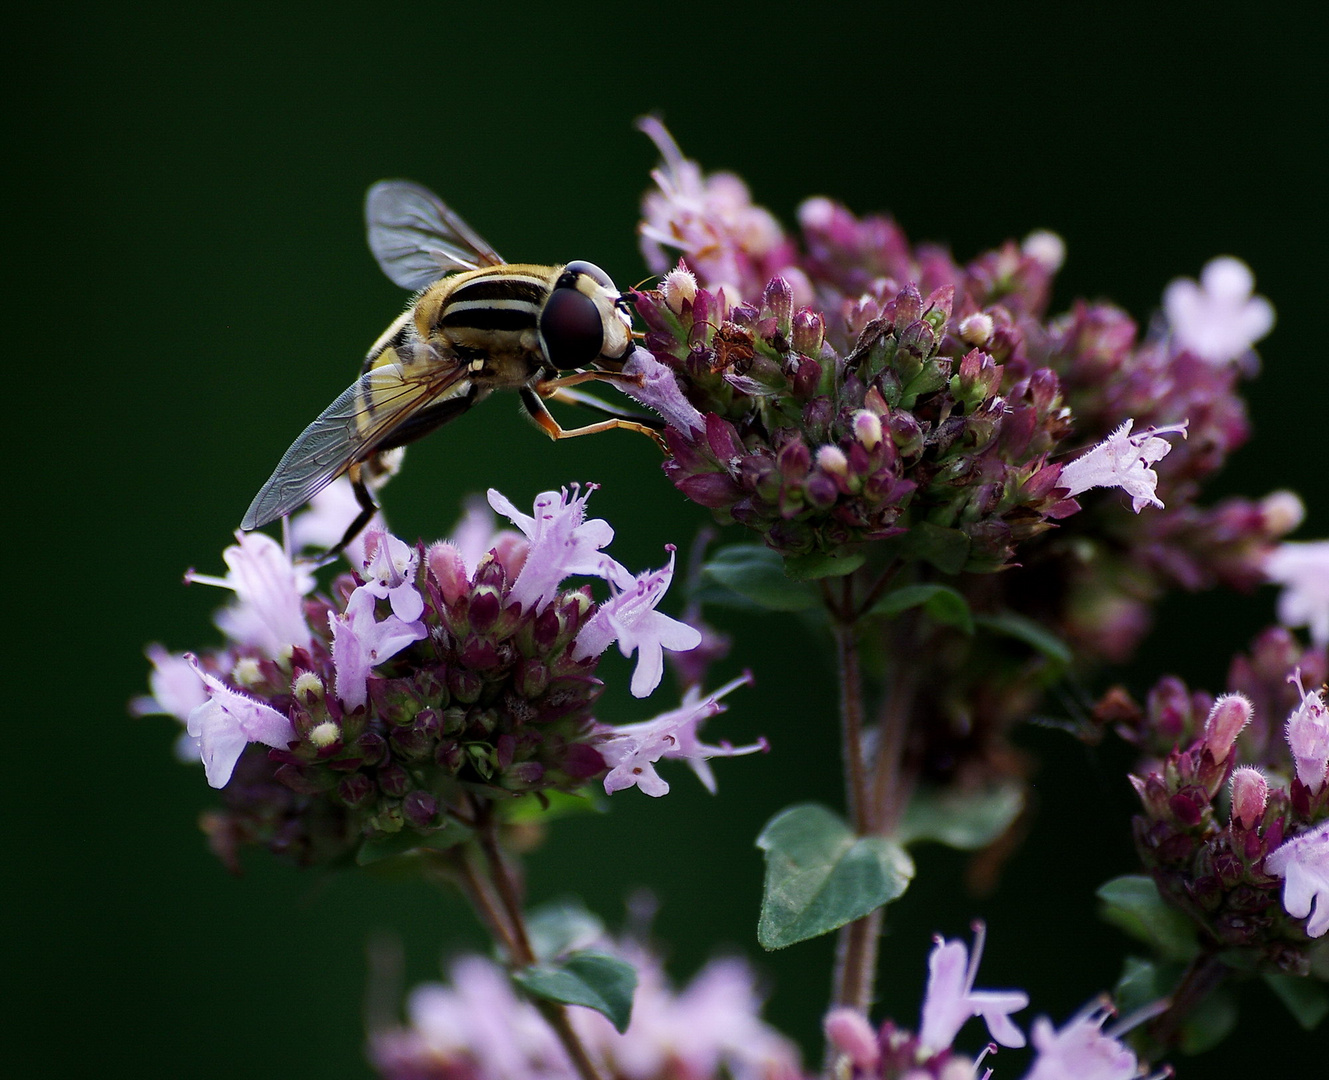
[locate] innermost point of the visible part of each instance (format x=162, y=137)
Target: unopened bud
x=850, y=1033
x=1230, y=714
x=1250, y=795
x=976, y=329
x=808, y=330
x=1046, y=248
x=867, y=429
x=246, y=672
x=832, y=460
x=420, y=808
x=1283, y=511
x=307, y=688
x=325, y=734
x=679, y=287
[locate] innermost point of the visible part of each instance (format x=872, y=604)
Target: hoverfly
x=477, y=324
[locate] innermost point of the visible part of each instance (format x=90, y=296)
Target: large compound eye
x=571, y=327
x=591, y=271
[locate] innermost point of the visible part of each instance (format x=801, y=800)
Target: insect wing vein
x=363, y=415
x=417, y=238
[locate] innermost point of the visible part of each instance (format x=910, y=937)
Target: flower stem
x=856, y=948
x=522, y=955
x=1204, y=975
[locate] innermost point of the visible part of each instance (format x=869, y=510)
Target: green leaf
x=1210, y=1022
x=1132, y=904
x=946, y=549
x=557, y=804
x=1036, y=636
x=1143, y=982
x=408, y=840
x=817, y=565
x=596, y=980
x=819, y=875
x=1306, y=999
x=941, y=602
x=961, y=819
x=560, y=927
x=756, y=573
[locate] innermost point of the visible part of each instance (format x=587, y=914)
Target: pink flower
x=228, y=721
x=389, y=574
x=631, y=750
x=176, y=690
x=268, y=613
x=1080, y=1050
x=1122, y=460
x=629, y=617
x=360, y=643
x=951, y=999
x=1303, y=571
x=563, y=543
x=1303, y=864
x=1307, y=734
x=1218, y=319
x=659, y=391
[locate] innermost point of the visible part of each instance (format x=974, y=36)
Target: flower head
x=1307, y=733
x=629, y=617
x=631, y=750
x=228, y=721
x=951, y=998
x=1122, y=460
x=1218, y=319
x=1303, y=571
x=1079, y=1050
x=1303, y=864
x=562, y=543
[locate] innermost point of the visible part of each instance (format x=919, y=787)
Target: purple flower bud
x=806, y=378
x=808, y=331
x=794, y=460
x=464, y=685
x=779, y=299
x=908, y=307
x=354, y=790
x=393, y=780
x=821, y=490
x=1250, y=796
x=420, y=809
x=1230, y=714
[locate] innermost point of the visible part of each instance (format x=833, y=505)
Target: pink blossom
x=1122, y=460
x=951, y=999
x=1080, y=1050
x=659, y=391
x=562, y=543
x=631, y=750
x=629, y=617
x=360, y=642
x=389, y=574
x=176, y=690
x=268, y=613
x=230, y=720
x=1218, y=319
x=1307, y=733
x=1303, y=571
x=1303, y=864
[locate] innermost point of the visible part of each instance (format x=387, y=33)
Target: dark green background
x=189, y=285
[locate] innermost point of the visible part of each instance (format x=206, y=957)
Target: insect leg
x=368, y=508
x=536, y=410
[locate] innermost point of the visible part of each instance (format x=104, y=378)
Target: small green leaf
x=1132, y=904
x=946, y=549
x=557, y=804
x=1037, y=637
x=596, y=980
x=819, y=875
x=1209, y=1022
x=941, y=602
x=408, y=840
x=961, y=819
x=757, y=574
x=1306, y=999
x=560, y=927
x=816, y=565
x=1143, y=982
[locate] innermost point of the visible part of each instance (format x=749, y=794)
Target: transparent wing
x=416, y=238
x=379, y=407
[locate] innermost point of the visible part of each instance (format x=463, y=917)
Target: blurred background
x=189, y=285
